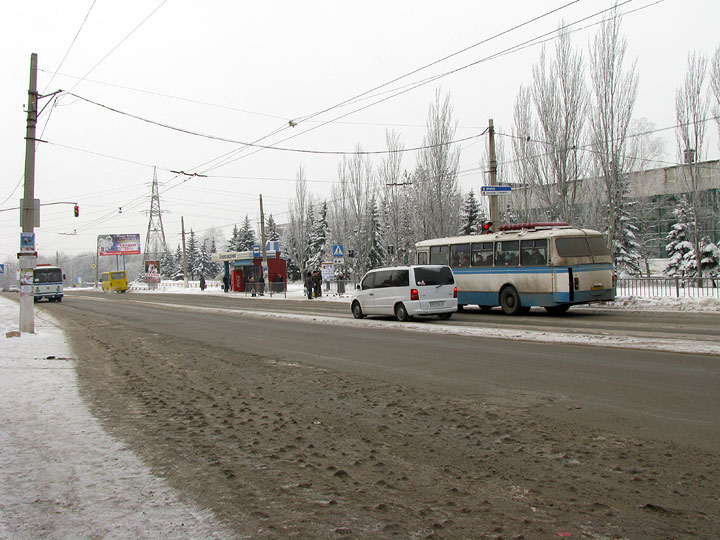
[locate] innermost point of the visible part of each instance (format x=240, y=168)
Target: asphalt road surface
x=665, y=395
x=290, y=419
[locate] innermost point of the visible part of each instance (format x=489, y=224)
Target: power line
x=119, y=44
x=267, y=147
x=70, y=47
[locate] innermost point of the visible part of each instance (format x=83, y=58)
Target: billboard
x=119, y=244
x=152, y=272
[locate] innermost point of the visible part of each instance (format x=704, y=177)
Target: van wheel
x=445, y=316
x=510, y=301
x=357, y=310
x=401, y=313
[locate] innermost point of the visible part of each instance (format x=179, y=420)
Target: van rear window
x=433, y=276
x=117, y=275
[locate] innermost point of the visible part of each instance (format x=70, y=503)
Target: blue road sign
x=2, y=268
x=338, y=250
x=495, y=190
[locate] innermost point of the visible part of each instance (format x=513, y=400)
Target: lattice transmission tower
x=155, y=244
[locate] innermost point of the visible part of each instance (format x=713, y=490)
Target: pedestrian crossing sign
x=338, y=250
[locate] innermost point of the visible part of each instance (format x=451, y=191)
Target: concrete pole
x=493, y=175
x=185, y=273
x=28, y=260
x=262, y=244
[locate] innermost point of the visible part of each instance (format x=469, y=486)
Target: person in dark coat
x=226, y=283
x=309, y=285
x=202, y=283
x=317, y=283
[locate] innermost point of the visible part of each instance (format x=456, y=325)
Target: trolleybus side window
x=460, y=255
x=439, y=255
x=482, y=254
x=575, y=246
x=507, y=253
x=533, y=252
x=422, y=257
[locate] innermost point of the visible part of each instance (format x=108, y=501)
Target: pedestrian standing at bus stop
x=309, y=285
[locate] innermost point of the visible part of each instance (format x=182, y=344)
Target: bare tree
x=613, y=98
x=644, y=150
x=526, y=155
x=435, y=178
x=715, y=87
x=296, y=233
x=389, y=175
x=560, y=100
x=691, y=108
x=357, y=185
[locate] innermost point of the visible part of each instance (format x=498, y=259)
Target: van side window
x=400, y=278
x=384, y=279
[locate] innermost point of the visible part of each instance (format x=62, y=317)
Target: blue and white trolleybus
x=551, y=265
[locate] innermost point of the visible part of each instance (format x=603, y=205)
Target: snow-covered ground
x=63, y=476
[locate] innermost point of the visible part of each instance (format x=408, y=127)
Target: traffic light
x=487, y=227
x=77, y=210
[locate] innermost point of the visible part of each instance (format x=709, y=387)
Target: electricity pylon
x=155, y=244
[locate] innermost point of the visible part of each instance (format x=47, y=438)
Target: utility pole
x=185, y=274
x=493, y=173
x=262, y=243
x=28, y=258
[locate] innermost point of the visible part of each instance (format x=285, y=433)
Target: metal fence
x=704, y=287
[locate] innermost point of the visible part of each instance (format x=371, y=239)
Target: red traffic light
x=487, y=227
x=77, y=210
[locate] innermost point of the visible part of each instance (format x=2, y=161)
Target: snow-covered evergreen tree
x=317, y=249
x=204, y=265
x=179, y=265
x=246, y=236
x=271, y=229
x=679, y=248
x=234, y=242
x=626, y=249
x=309, y=241
x=471, y=212
x=377, y=254
x=192, y=252
x=167, y=265
x=709, y=258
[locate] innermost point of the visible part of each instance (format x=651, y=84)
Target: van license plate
x=437, y=304
x=597, y=287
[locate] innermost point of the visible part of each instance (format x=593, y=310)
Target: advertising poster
x=119, y=244
x=152, y=272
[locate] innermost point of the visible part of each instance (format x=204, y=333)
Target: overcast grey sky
x=240, y=71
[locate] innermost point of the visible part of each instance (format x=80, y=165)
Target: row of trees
x=572, y=146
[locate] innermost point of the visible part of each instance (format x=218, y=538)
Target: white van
x=406, y=292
